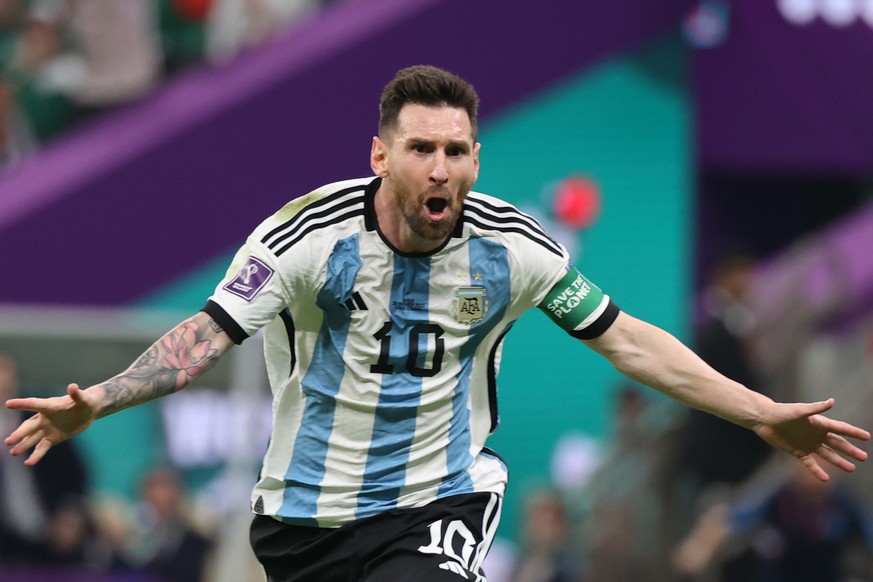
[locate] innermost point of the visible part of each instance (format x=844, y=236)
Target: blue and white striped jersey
x=382, y=364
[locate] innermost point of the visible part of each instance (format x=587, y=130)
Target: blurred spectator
x=64, y=62
x=17, y=141
x=11, y=16
x=182, y=25
x=499, y=563
x=73, y=542
x=43, y=509
x=44, y=70
x=715, y=451
x=805, y=530
x=162, y=541
x=71, y=59
x=621, y=532
x=714, y=456
x=235, y=25
x=545, y=554
x=120, y=46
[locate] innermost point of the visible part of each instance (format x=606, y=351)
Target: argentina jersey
x=382, y=365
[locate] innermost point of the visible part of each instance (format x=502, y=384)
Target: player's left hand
x=800, y=430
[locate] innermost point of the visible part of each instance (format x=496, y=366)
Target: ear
x=476, y=147
x=379, y=157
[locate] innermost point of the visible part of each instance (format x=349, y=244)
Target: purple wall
x=788, y=97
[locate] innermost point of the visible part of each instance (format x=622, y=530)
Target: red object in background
x=192, y=10
x=577, y=202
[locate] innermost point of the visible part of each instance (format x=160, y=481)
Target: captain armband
x=579, y=306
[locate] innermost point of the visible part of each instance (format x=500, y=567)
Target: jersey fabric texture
x=383, y=364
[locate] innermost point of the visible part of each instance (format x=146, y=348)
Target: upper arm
x=579, y=306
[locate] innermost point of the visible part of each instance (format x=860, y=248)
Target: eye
x=421, y=148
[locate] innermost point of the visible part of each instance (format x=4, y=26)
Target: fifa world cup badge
x=470, y=304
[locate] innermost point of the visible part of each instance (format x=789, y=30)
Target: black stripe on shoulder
x=510, y=219
x=317, y=209
x=227, y=323
x=546, y=244
x=310, y=219
x=600, y=325
x=510, y=212
x=500, y=209
x=311, y=226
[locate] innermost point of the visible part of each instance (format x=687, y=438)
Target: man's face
x=430, y=162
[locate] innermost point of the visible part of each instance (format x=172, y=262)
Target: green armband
x=572, y=300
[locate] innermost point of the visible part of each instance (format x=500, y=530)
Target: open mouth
x=436, y=207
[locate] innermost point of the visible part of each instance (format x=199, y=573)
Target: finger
x=11, y=440
x=841, y=445
x=24, y=429
x=834, y=459
x=75, y=392
x=812, y=408
x=38, y=452
x=814, y=467
x=840, y=427
x=27, y=442
x=33, y=404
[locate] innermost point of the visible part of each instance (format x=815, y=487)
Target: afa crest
x=470, y=304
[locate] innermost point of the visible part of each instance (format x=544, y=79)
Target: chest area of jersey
x=459, y=291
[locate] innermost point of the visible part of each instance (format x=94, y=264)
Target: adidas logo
x=355, y=302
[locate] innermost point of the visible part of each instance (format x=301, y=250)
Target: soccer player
x=384, y=302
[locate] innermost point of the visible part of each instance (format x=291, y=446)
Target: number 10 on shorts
x=443, y=542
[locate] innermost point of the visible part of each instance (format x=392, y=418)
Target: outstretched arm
x=182, y=354
x=655, y=358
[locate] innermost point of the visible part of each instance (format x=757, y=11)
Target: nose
x=439, y=174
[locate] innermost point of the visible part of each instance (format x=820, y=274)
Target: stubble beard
x=411, y=207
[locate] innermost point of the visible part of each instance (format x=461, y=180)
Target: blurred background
x=709, y=163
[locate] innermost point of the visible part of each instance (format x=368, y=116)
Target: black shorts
x=444, y=541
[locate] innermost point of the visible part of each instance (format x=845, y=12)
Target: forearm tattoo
x=167, y=366
x=214, y=325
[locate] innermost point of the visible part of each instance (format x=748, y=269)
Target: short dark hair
x=430, y=86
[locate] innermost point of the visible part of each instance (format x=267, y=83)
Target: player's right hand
x=55, y=420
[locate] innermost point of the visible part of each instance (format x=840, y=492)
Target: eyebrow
x=413, y=141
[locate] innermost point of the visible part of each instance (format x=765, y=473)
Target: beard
x=413, y=211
